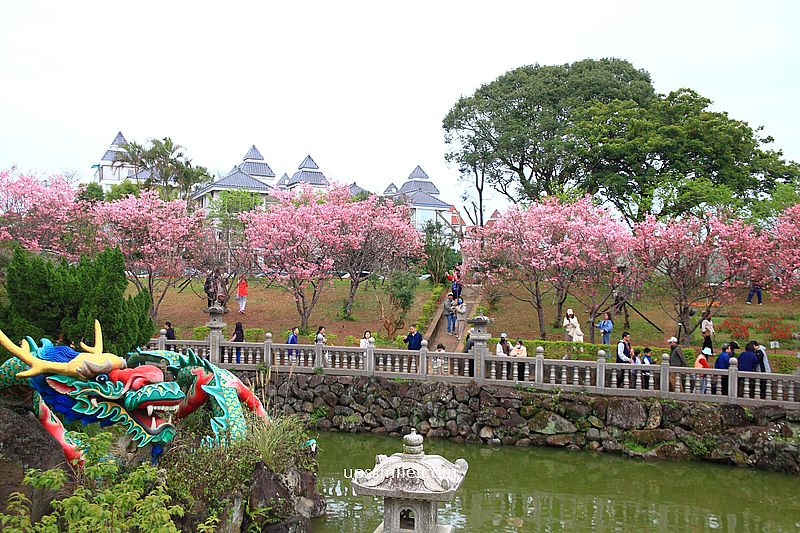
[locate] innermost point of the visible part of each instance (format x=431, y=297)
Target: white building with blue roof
x=252, y=175
x=422, y=197
x=112, y=170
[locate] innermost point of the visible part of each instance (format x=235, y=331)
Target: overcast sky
x=361, y=86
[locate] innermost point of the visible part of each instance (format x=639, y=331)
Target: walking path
x=471, y=295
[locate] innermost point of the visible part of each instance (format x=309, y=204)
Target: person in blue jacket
x=414, y=338
x=606, y=326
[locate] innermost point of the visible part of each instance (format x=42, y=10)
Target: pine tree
x=62, y=302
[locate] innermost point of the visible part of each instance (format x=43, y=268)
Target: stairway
x=471, y=295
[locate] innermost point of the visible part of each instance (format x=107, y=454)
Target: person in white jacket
x=571, y=327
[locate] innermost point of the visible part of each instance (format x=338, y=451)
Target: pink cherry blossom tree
x=43, y=214
x=293, y=244
x=784, y=254
x=159, y=239
x=526, y=249
x=370, y=235
x=697, y=261
x=602, y=268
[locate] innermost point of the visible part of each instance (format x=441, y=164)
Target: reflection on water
x=541, y=489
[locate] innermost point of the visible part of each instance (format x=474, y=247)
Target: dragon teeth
x=153, y=425
x=150, y=410
x=94, y=403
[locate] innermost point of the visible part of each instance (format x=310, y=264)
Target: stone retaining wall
x=765, y=437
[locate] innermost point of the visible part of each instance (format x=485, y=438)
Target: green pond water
x=512, y=489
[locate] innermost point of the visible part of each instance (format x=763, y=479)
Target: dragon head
x=92, y=386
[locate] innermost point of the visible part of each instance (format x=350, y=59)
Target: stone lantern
x=411, y=483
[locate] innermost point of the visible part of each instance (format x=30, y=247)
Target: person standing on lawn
x=571, y=325
x=755, y=290
x=241, y=293
x=707, y=330
x=606, y=326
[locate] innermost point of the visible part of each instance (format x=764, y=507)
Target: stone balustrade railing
x=595, y=377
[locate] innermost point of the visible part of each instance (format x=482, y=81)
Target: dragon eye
x=101, y=378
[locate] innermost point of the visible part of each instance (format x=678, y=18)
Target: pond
x=543, y=489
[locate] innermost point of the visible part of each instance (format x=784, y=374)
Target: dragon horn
x=98, y=340
x=23, y=353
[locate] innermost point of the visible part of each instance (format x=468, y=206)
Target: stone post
x=215, y=325
x=369, y=365
x=479, y=336
x=422, y=370
x=318, y=356
x=268, y=350
x=733, y=380
x=162, y=339
x=664, y=382
x=538, y=367
x=601, y=370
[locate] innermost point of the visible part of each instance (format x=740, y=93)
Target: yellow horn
x=98, y=340
x=23, y=353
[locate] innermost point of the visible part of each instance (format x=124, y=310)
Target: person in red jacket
x=702, y=362
x=241, y=293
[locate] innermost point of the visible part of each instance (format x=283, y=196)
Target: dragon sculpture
x=93, y=386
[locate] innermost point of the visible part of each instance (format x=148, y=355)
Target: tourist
x=676, y=358
x=702, y=362
x=503, y=347
x=570, y=325
x=763, y=360
x=469, y=343
x=519, y=350
x=241, y=294
x=461, y=318
x=414, y=338
x=220, y=288
x=624, y=352
x=707, y=330
x=320, y=336
x=637, y=357
x=169, y=331
x=364, y=343
x=647, y=359
x=436, y=363
x=449, y=313
x=755, y=289
x=293, y=339
x=238, y=336
x=748, y=359
x=606, y=326
x=723, y=362
x=733, y=347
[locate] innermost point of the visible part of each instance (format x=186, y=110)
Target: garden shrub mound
x=251, y=484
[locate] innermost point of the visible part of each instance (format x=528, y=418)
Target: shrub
x=350, y=340
x=105, y=498
x=200, y=333
x=429, y=308
x=254, y=334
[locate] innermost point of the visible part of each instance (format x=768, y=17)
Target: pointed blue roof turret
x=418, y=174
x=391, y=189
x=119, y=140
x=284, y=181
x=253, y=154
x=308, y=164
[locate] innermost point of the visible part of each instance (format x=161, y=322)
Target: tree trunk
x=592, y=318
x=561, y=297
x=627, y=323
x=351, y=296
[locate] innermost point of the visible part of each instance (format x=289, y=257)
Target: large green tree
x=514, y=129
x=673, y=156
x=62, y=300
